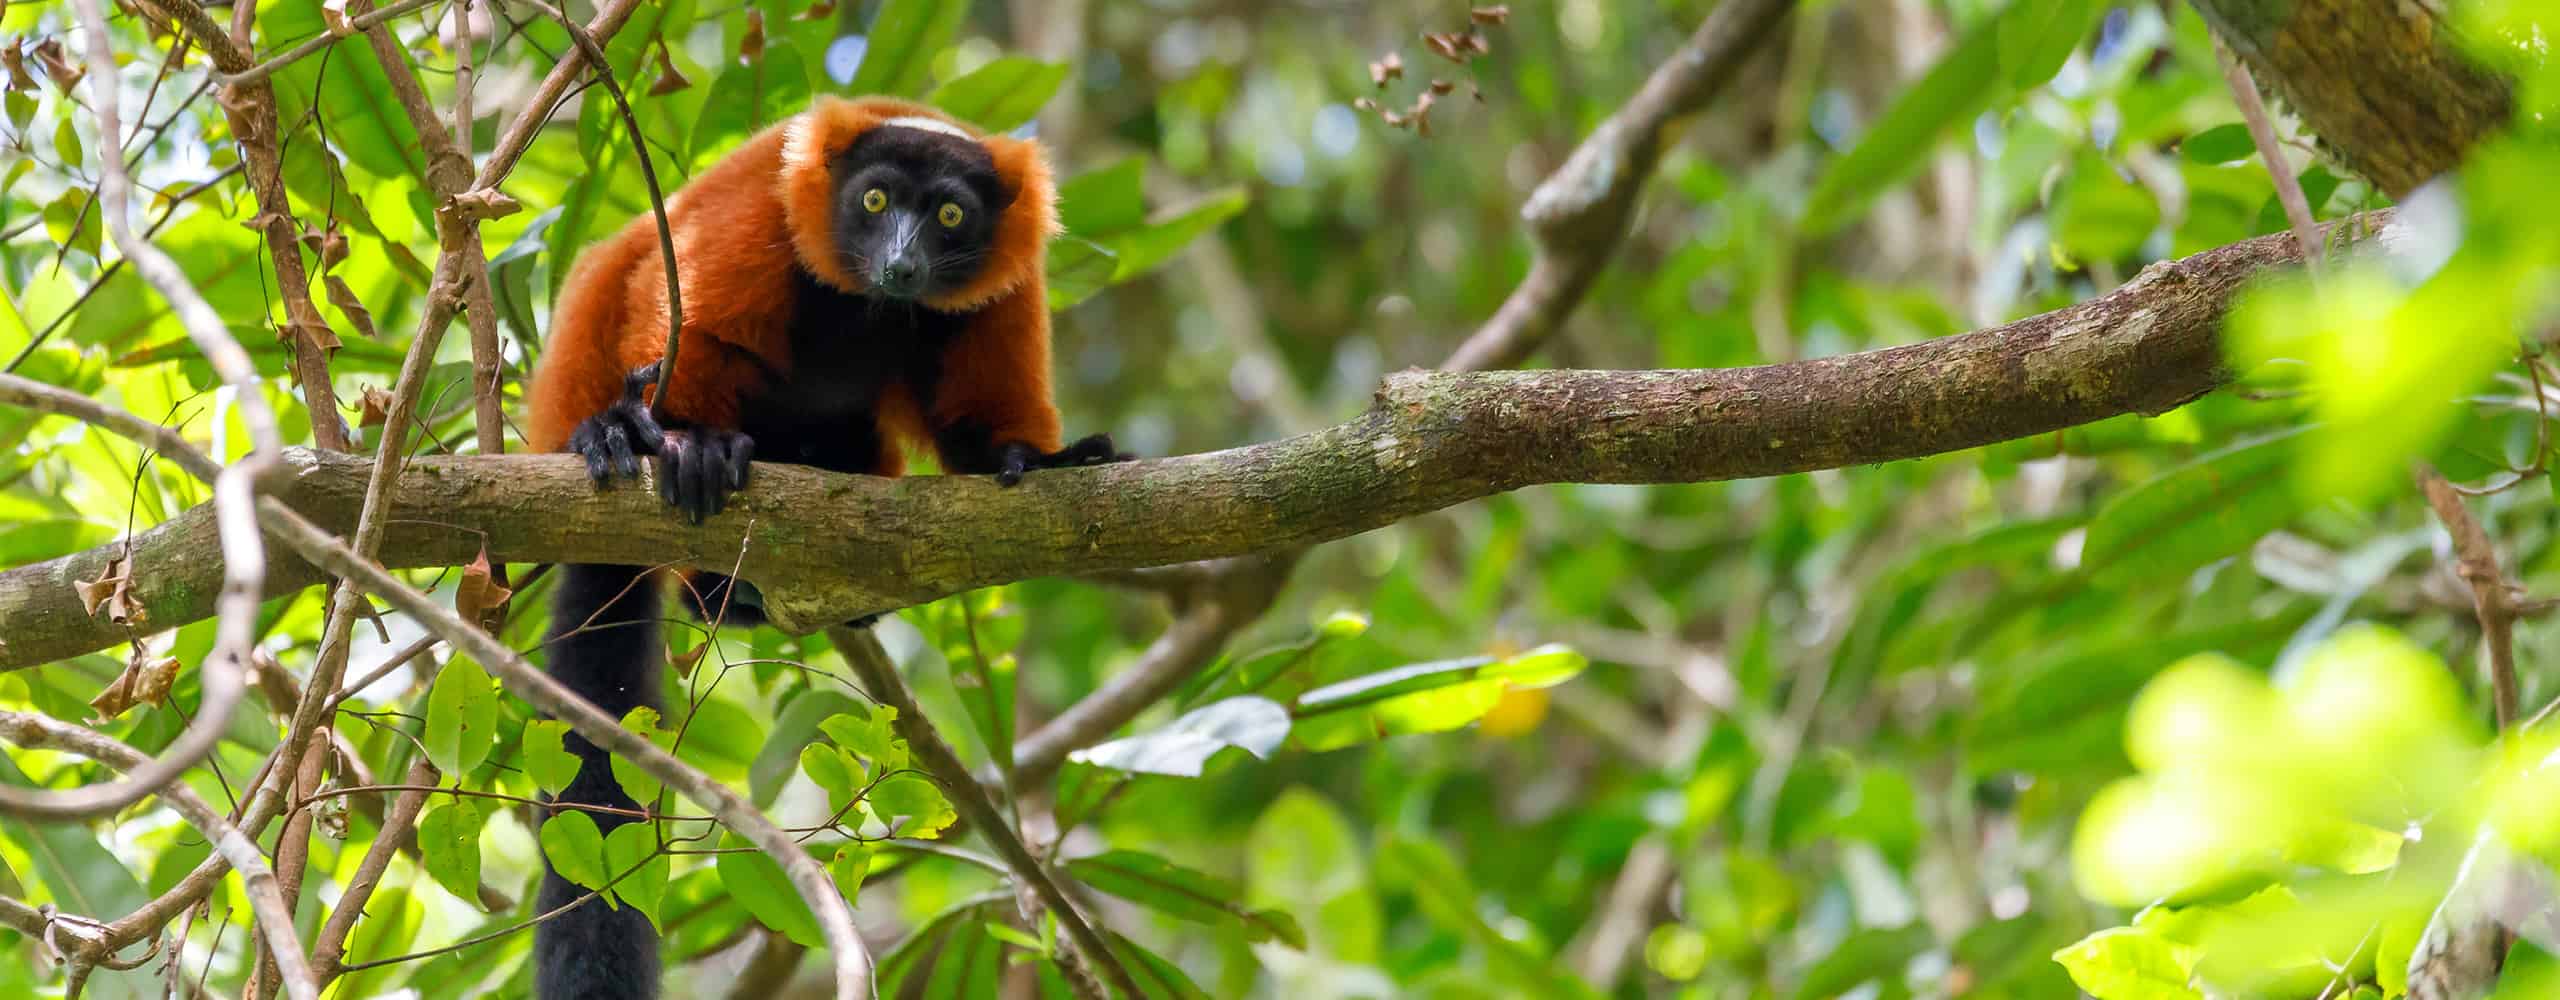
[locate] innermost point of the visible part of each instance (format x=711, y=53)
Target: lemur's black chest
x=846, y=351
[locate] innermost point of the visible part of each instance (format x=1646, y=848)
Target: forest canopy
x=1711, y=498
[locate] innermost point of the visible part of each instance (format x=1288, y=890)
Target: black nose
x=901, y=276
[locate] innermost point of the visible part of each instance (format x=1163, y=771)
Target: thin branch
x=274, y=920
x=518, y=135
x=224, y=673
x=2262, y=130
x=538, y=689
x=315, y=43
x=1579, y=215
x=879, y=677
x=2491, y=598
x=330, y=948
x=594, y=52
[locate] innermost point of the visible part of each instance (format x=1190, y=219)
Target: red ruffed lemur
x=863, y=277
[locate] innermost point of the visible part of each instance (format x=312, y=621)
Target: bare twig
x=329, y=950
x=879, y=676
x=268, y=67
x=526, y=681
x=2262, y=130
x=2491, y=597
x=648, y=176
x=244, y=555
x=274, y=920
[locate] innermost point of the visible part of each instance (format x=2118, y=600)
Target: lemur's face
x=917, y=203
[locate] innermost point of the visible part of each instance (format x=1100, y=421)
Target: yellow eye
x=950, y=215
x=875, y=201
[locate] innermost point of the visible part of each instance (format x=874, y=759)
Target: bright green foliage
x=2180, y=705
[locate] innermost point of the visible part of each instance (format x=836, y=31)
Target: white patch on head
x=922, y=123
x=797, y=138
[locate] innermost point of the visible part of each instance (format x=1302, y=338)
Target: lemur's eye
x=875, y=201
x=950, y=215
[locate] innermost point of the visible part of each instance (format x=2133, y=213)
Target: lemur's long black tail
x=602, y=645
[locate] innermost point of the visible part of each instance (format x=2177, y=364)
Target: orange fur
x=739, y=228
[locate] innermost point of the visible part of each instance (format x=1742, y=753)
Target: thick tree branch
x=826, y=547
x=2379, y=83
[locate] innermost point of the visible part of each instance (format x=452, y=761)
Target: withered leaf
x=751, y=44
x=1493, y=14
x=377, y=407
x=684, y=662
x=819, y=11
x=345, y=299
x=669, y=81
x=145, y=679
x=1449, y=45
x=111, y=592
x=1388, y=67
x=1442, y=87
x=15, y=62
x=480, y=594
x=58, y=64
x=334, y=14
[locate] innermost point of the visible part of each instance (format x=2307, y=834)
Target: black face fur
x=904, y=243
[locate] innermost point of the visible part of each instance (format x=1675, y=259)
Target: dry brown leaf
x=1442, y=87
x=345, y=299
x=669, y=81
x=145, y=679
x=377, y=407
x=1449, y=45
x=334, y=14
x=480, y=595
x=819, y=11
x=111, y=592
x=751, y=44
x=1494, y=14
x=15, y=62
x=684, y=662
x=329, y=244
x=1388, y=67
x=58, y=64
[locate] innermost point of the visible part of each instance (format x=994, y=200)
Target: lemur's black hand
x=613, y=441
x=1019, y=458
x=699, y=468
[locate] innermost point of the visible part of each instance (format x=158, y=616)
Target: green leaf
x=1303, y=854
x=905, y=37
x=1002, y=94
x=2102, y=216
x=850, y=866
x=1174, y=890
x=631, y=854
x=907, y=795
x=462, y=718
x=1871, y=954
x=750, y=96
x=576, y=848
x=1078, y=268
x=1444, y=894
x=511, y=276
x=1142, y=250
x=974, y=632
x=389, y=928
x=67, y=146
x=2038, y=36
x=552, y=766
x=758, y=883
x=2214, y=507
x=2219, y=144
x=642, y=786
x=449, y=845
x=792, y=729
x=942, y=941
x=1158, y=978
x=2129, y=963
x=71, y=222
x=870, y=735
x=1896, y=146
x=1424, y=697
x=830, y=769
x=1105, y=202
x=1255, y=725
x=82, y=874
